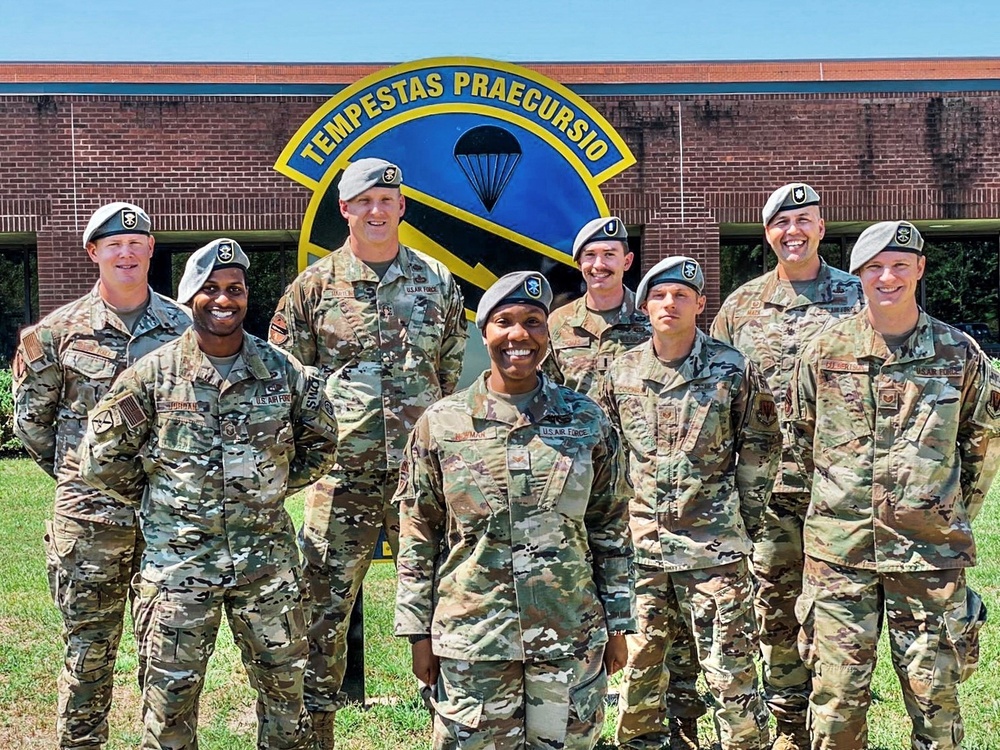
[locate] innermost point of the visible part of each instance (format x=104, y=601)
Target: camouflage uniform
x=583, y=344
x=515, y=557
x=583, y=347
x=901, y=453
x=63, y=366
x=392, y=347
x=770, y=326
x=215, y=459
x=702, y=445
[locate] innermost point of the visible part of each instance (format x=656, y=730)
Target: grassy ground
x=30, y=653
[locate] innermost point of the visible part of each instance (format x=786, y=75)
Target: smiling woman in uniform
x=515, y=582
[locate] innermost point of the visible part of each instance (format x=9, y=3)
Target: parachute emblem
x=488, y=155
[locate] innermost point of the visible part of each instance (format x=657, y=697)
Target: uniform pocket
x=962, y=626
x=805, y=615
x=735, y=621
x=459, y=706
x=181, y=633
x=735, y=601
x=53, y=564
x=589, y=697
x=185, y=436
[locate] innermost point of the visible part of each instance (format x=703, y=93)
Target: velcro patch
x=176, y=406
x=993, y=405
x=132, y=411
x=518, y=459
x=314, y=393
x=767, y=412
x=461, y=437
x=420, y=289
x=104, y=420
x=278, y=332
x=338, y=293
x=93, y=348
x=33, y=350
x=572, y=432
x=939, y=372
x=273, y=399
x=839, y=365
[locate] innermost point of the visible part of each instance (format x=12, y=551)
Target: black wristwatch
x=417, y=638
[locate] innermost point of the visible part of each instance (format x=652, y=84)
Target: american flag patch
x=32, y=347
x=132, y=411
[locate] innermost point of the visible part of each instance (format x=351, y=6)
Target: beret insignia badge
x=689, y=269
x=798, y=194
x=129, y=218
x=225, y=252
x=389, y=175
x=611, y=228
x=903, y=235
x=533, y=287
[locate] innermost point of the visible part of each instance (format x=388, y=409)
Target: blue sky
x=513, y=30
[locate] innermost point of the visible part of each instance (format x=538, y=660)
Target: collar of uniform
x=101, y=316
x=166, y=315
x=251, y=358
x=592, y=322
x=351, y=268
x=919, y=346
x=773, y=291
x=548, y=403
x=651, y=368
x=195, y=365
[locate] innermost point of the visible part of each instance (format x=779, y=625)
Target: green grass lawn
x=30, y=653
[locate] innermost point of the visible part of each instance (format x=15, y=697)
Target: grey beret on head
x=116, y=218
x=792, y=195
x=598, y=230
x=527, y=287
x=204, y=260
x=901, y=236
x=365, y=174
x=677, y=269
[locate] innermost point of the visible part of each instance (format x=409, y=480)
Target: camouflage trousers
x=714, y=607
x=934, y=621
x=179, y=629
x=343, y=515
x=681, y=661
x=520, y=705
x=89, y=568
x=777, y=565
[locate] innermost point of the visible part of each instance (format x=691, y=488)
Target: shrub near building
x=9, y=444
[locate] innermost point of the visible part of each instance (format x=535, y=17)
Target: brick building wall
x=204, y=163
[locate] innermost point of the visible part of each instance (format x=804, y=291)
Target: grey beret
x=677, y=269
x=364, y=174
x=597, y=230
x=116, y=218
x=527, y=287
x=792, y=195
x=886, y=235
x=204, y=260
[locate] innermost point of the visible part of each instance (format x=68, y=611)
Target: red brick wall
x=872, y=157
x=205, y=164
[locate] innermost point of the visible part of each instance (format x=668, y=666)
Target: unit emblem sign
x=501, y=165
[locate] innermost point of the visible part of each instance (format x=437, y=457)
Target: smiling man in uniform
x=64, y=364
